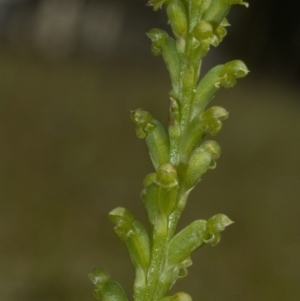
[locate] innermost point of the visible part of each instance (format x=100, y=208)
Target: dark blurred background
x=70, y=71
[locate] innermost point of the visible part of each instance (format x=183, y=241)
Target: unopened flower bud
x=212, y=147
x=155, y=136
x=186, y=242
x=212, y=119
x=219, y=76
x=123, y=220
x=177, y=17
x=166, y=176
x=206, y=89
x=160, y=196
x=231, y=71
x=203, y=30
x=135, y=236
x=201, y=159
x=217, y=112
x=214, y=226
x=218, y=223
x=142, y=119
x=158, y=38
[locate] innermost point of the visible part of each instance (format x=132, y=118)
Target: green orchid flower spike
x=181, y=154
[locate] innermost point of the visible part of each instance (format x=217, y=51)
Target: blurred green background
x=69, y=154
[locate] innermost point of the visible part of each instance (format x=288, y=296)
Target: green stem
x=163, y=233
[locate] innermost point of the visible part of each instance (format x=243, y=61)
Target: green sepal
x=149, y=178
x=194, y=12
x=214, y=226
x=206, y=123
x=201, y=159
x=142, y=119
x=219, y=33
x=178, y=18
x=163, y=45
x=155, y=136
x=218, y=223
x=105, y=289
x=204, y=7
x=183, y=267
x=123, y=220
x=203, y=30
x=157, y=4
x=169, y=276
x=160, y=195
x=158, y=144
x=203, y=36
x=180, y=296
x=135, y=236
x=158, y=37
x=191, y=138
x=225, y=23
x=186, y=242
x=148, y=196
x=166, y=176
x=212, y=120
x=112, y=291
x=211, y=147
x=209, y=122
x=219, y=76
x=99, y=276
x=231, y=71
x=171, y=59
x=218, y=10
x=206, y=89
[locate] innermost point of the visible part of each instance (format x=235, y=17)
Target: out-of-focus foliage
x=61, y=28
